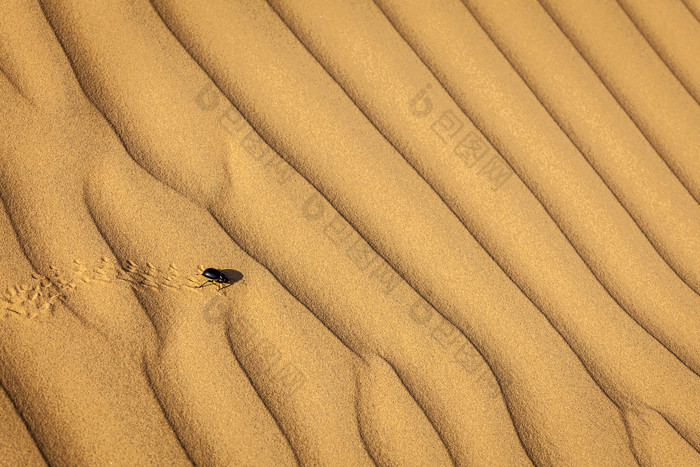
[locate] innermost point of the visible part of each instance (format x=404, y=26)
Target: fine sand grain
x=469, y=232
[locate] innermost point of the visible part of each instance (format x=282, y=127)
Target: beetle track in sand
x=37, y=298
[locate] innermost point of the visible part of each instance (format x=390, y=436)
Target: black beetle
x=225, y=276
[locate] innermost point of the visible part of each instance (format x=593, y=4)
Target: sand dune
x=469, y=232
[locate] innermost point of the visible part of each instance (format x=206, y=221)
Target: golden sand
x=469, y=232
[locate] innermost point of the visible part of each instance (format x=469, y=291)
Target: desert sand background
x=469, y=232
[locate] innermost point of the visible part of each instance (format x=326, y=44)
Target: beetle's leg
x=227, y=285
x=207, y=282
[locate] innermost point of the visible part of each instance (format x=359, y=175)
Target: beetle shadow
x=232, y=275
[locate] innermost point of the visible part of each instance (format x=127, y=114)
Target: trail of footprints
x=38, y=297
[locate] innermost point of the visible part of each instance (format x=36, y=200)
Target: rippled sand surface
x=469, y=232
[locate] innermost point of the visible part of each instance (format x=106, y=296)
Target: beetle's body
x=215, y=275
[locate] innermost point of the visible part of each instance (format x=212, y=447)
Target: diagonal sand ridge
x=469, y=232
